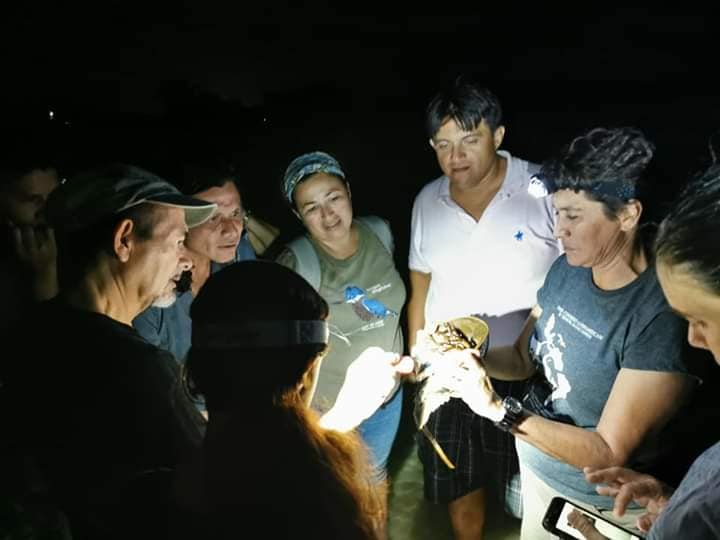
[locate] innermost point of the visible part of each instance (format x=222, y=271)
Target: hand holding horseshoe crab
x=448, y=364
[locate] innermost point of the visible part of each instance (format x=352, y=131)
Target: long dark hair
x=266, y=456
x=687, y=236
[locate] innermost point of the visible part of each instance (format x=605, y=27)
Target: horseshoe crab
x=436, y=377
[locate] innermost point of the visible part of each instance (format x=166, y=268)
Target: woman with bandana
x=607, y=352
x=358, y=280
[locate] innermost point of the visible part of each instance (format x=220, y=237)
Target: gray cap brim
x=197, y=212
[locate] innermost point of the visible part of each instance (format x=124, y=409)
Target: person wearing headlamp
x=268, y=455
x=605, y=349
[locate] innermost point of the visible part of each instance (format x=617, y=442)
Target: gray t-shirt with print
x=583, y=338
x=365, y=294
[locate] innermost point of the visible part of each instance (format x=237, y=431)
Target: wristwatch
x=513, y=414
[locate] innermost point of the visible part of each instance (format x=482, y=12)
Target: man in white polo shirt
x=481, y=244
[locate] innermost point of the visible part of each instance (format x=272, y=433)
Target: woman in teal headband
x=349, y=261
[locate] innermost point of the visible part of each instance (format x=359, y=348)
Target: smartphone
x=598, y=527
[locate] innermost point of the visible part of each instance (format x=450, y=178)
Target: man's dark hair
x=465, y=102
x=197, y=177
x=688, y=234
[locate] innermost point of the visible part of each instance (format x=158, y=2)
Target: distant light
x=67, y=123
x=51, y=114
x=264, y=119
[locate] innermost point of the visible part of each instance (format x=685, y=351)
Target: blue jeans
x=379, y=432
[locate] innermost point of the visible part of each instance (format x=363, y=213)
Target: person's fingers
x=17, y=239
x=624, y=497
x=644, y=522
x=50, y=244
x=30, y=239
x=44, y=236
x=607, y=491
x=604, y=476
x=405, y=365
x=24, y=240
x=468, y=361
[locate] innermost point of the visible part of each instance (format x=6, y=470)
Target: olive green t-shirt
x=365, y=294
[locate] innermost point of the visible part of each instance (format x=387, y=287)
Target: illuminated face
x=467, y=157
x=24, y=203
x=218, y=238
x=323, y=203
x=588, y=236
x=693, y=301
x=156, y=264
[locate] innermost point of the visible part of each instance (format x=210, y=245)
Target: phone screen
x=596, y=527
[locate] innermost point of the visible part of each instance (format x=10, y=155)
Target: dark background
x=162, y=83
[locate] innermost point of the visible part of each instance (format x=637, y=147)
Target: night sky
x=262, y=84
x=119, y=54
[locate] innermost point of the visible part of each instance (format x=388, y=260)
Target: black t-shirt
x=98, y=407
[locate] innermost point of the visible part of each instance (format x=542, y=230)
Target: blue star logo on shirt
x=519, y=236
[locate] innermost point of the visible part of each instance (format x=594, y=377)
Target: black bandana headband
x=541, y=186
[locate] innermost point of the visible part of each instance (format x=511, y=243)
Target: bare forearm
x=570, y=444
x=508, y=364
x=419, y=285
x=416, y=320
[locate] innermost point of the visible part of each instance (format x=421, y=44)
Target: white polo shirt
x=491, y=267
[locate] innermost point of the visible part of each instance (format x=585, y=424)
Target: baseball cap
x=92, y=196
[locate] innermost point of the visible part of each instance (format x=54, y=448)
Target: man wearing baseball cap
x=99, y=409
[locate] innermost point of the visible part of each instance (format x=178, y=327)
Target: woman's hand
x=475, y=387
x=370, y=380
x=626, y=485
x=35, y=246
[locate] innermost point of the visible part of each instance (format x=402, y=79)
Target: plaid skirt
x=484, y=455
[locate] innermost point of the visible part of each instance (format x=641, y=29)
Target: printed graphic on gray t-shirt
x=583, y=338
x=365, y=294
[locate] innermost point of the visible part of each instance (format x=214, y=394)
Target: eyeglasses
x=239, y=216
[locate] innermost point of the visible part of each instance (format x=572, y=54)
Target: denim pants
x=379, y=432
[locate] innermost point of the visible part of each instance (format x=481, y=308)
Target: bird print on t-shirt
x=365, y=307
x=370, y=311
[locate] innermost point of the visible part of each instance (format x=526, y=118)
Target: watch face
x=513, y=405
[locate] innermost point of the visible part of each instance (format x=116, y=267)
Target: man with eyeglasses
x=480, y=244
x=214, y=244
